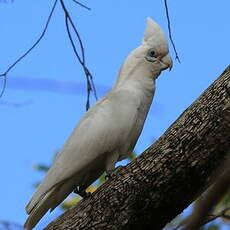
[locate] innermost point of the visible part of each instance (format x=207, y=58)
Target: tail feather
x=46, y=185
x=40, y=209
x=50, y=200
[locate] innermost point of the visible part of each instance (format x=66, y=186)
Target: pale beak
x=167, y=62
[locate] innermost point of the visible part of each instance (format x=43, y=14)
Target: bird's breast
x=135, y=121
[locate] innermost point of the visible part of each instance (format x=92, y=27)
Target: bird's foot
x=111, y=174
x=108, y=176
x=82, y=193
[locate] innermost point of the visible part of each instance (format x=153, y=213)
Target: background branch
x=221, y=214
x=208, y=219
x=204, y=207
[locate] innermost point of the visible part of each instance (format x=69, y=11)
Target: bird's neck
x=138, y=76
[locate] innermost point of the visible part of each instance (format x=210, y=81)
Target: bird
x=108, y=131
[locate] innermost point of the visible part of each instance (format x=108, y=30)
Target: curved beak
x=167, y=62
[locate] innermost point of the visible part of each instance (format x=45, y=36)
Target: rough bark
x=157, y=186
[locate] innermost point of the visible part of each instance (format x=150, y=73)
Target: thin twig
x=220, y=214
x=82, y=62
x=84, y=6
x=68, y=18
x=4, y=86
x=89, y=78
x=35, y=44
x=92, y=82
x=170, y=32
x=30, y=49
x=71, y=40
x=86, y=70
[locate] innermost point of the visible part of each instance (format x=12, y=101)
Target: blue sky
x=45, y=95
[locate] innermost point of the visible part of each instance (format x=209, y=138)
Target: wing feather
x=103, y=128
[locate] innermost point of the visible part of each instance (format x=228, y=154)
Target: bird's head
x=148, y=60
x=156, y=45
x=154, y=49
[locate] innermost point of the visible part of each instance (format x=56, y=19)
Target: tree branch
x=208, y=219
x=157, y=186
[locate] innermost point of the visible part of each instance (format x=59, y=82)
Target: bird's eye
x=152, y=53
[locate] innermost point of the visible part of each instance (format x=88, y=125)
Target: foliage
x=6, y=225
x=215, y=224
x=6, y=1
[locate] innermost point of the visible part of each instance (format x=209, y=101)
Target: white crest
x=153, y=33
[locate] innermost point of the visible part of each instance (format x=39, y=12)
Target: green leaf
x=41, y=167
x=212, y=227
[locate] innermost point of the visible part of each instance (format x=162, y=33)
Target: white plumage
x=109, y=130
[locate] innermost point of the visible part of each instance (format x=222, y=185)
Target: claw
x=111, y=174
x=82, y=193
x=108, y=176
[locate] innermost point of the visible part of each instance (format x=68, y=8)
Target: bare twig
x=221, y=214
x=4, y=86
x=30, y=49
x=84, y=6
x=170, y=31
x=89, y=79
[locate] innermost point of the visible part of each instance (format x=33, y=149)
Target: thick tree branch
x=157, y=186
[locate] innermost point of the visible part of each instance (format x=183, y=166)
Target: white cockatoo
x=108, y=131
